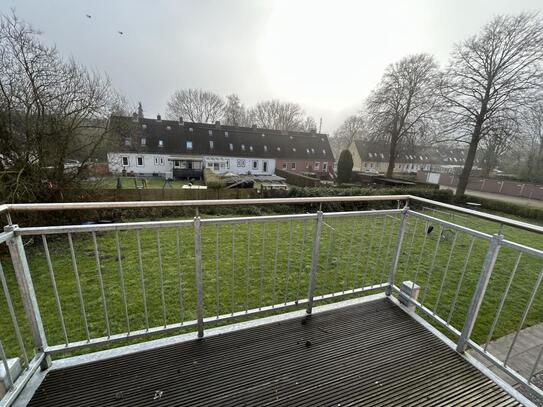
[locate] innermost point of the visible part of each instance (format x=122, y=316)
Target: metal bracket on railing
x=397, y=250
x=478, y=295
x=199, y=279
x=314, y=263
x=28, y=295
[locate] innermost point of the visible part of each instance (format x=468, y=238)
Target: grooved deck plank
x=368, y=354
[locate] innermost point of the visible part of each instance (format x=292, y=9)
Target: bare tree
x=532, y=148
x=353, y=128
x=234, y=111
x=404, y=102
x=500, y=139
x=277, y=115
x=491, y=75
x=198, y=105
x=51, y=110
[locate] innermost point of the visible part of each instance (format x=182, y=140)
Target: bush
x=345, y=167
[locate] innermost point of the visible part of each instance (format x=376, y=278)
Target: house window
x=292, y=166
x=325, y=166
x=250, y=148
x=284, y=166
x=168, y=128
x=156, y=160
x=209, y=164
x=210, y=132
x=125, y=161
x=307, y=165
x=161, y=160
x=127, y=141
x=317, y=166
x=161, y=143
x=255, y=164
x=225, y=134
x=278, y=148
x=189, y=145
x=227, y=164
x=243, y=147
x=211, y=144
x=265, y=166
x=231, y=146
x=191, y=129
x=294, y=150
x=143, y=141
x=139, y=161
x=265, y=148
x=241, y=163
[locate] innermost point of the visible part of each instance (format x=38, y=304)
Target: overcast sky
x=325, y=55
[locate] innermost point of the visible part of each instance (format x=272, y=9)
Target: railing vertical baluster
x=460, y=281
x=28, y=295
x=101, y=283
x=314, y=263
x=432, y=265
x=385, y=257
x=301, y=265
x=349, y=255
x=375, y=273
x=410, y=250
x=524, y=315
x=326, y=273
x=55, y=288
x=397, y=250
x=121, y=280
x=274, y=283
x=4, y=359
x=366, y=272
x=180, y=275
x=13, y=315
x=478, y=295
x=536, y=363
x=217, y=284
x=262, y=254
x=78, y=287
x=502, y=301
x=445, y=272
x=161, y=276
x=199, y=277
x=142, y=280
x=341, y=240
x=287, y=274
x=248, y=266
x=233, y=279
x=360, y=249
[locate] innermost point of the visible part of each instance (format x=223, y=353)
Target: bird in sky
x=120, y=32
x=88, y=16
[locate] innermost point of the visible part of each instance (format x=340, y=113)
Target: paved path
x=534, y=203
x=523, y=355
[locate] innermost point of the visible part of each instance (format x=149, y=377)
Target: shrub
x=345, y=167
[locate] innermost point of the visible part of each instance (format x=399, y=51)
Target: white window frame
x=127, y=141
x=138, y=158
x=127, y=161
x=293, y=165
x=231, y=146
x=156, y=160
x=211, y=144
x=255, y=164
x=188, y=144
x=317, y=166
x=143, y=141
x=161, y=143
x=285, y=166
x=325, y=166
x=161, y=160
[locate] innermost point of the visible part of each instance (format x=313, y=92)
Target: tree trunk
x=468, y=164
x=392, y=156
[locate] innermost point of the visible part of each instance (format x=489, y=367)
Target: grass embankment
x=249, y=274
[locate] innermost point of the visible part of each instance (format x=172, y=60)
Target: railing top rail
x=30, y=207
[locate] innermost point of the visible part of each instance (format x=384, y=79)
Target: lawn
x=251, y=265
x=137, y=182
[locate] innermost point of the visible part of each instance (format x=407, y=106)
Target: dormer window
x=263, y=135
x=307, y=150
x=250, y=148
x=210, y=132
x=278, y=148
x=265, y=148
x=231, y=146
x=211, y=144
x=143, y=126
x=143, y=141
x=161, y=143
x=313, y=150
x=189, y=145
x=324, y=151
x=168, y=128
x=191, y=129
x=127, y=141
x=243, y=147
x=225, y=134
x=294, y=150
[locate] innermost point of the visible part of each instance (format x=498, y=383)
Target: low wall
x=175, y=194
x=297, y=179
x=495, y=186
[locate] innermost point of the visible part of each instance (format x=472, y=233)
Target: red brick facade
x=315, y=166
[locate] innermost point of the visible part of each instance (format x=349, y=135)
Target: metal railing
x=119, y=281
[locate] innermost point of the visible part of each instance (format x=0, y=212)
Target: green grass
x=128, y=183
x=353, y=252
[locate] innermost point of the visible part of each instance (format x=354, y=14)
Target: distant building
x=369, y=156
x=178, y=149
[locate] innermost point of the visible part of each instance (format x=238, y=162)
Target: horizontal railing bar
x=522, y=248
x=265, y=218
x=50, y=230
x=443, y=212
x=450, y=225
x=430, y=313
x=362, y=213
x=11, y=396
x=5, y=236
x=52, y=349
x=482, y=215
x=499, y=364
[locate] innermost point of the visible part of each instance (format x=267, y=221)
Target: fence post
x=314, y=262
x=28, y=295
x=478, y=295
x=199, y=280
x=397, y=250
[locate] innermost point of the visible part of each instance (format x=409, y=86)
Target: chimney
x=158, y=118
x=181, y=122
x=135, y=117
x=217, y=124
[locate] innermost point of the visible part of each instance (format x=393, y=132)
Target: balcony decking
x=367, y=354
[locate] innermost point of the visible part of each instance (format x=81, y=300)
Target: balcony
x=396, y=301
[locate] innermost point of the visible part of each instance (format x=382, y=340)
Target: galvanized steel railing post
x=314, y=263
x=478, y=295
x=397, y=250
x=28, y=295
x=199, y=279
